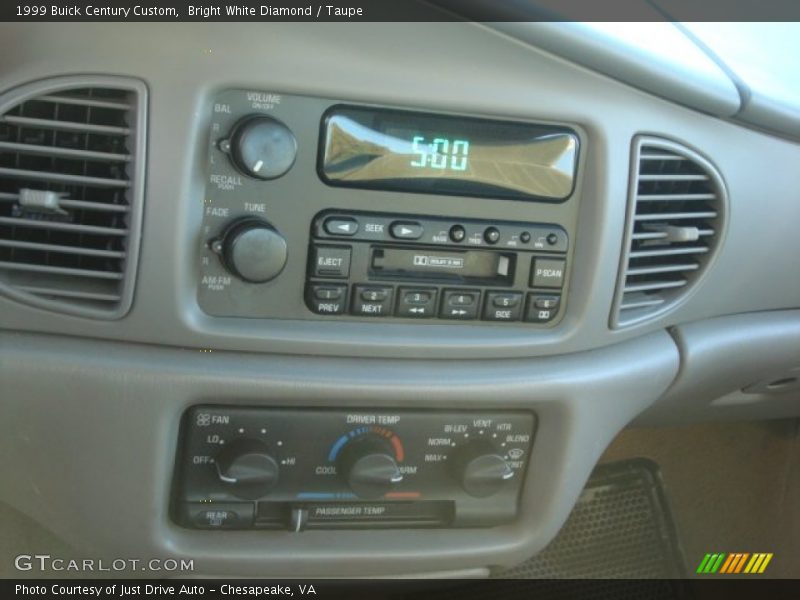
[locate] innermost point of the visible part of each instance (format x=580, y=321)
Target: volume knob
x=263, y=147
x=252, y=250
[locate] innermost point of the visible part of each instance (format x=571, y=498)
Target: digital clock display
x=438, y=154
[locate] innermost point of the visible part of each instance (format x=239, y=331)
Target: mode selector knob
x=481, y=471
x=248, y=466
x=368, y=466
x=252, y=250
x=261, y=147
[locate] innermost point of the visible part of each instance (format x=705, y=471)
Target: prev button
x=326, y=299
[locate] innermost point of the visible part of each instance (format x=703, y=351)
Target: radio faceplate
x=261, y=232
x=270, y=468
x=379, y=265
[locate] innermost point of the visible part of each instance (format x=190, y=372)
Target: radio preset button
x=547, y=272
x=331, y=261
x=545, y=301
x=326, y=299
x=406, y=230
x=534, y=313
x=491, y=235
x=341, y=226
x=460, y=304
x=457, y=234
x=503, y=306
x=381, y=307
x=375, y=294
x=416, y=303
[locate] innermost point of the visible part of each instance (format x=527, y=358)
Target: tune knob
x=252, y=250
x=247, y=465
x=481, y=471
x=368, y=466
x=262, y=147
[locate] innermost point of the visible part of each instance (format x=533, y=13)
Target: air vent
x=675, y=220
x=71, y=175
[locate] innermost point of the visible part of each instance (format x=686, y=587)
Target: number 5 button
x=502, y=306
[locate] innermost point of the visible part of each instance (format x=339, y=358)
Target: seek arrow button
x=406, y=230
x=341, y=226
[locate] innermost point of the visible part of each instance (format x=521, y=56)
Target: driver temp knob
x=252, y=250
x=247, y=465
x=368, y=466
x=481, y=470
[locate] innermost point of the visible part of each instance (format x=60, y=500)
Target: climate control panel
x=265, y=468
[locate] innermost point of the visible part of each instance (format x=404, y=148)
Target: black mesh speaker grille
x=621, y=527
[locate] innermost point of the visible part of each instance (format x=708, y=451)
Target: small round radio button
x=457, y=233
x=491, y=235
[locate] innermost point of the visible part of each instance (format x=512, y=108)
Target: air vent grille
x=71, y=163
x=676, y=215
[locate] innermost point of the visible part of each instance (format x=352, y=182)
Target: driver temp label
x=438, y=262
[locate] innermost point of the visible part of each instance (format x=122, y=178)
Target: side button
x=503, y=306
x=219, y=515
x=326, y=299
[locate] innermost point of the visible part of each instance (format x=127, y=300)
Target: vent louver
x=71, y=184
x=676, y=216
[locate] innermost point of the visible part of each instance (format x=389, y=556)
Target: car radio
x=378, y=265
x=316, y=209
x=290, y=468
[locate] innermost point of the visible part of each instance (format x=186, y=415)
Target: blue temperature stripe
x=325, y=496
x=343, y=440
x=336, y=447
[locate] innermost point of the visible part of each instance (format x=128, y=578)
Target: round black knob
x=247, y=465
x=262, y=147
x=252, y=250
x=481, y=470
x=369, y=468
